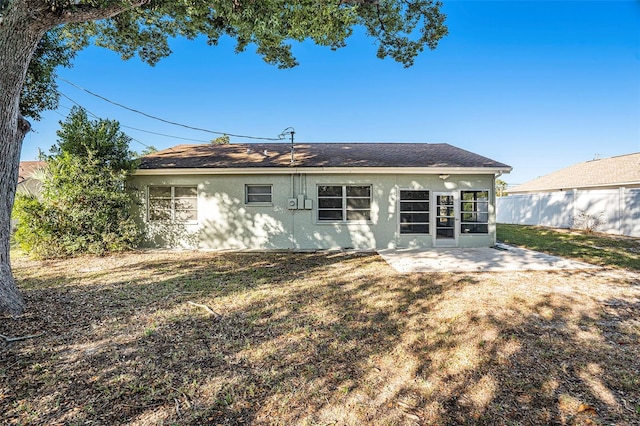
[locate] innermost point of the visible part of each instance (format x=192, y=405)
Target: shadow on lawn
x=541, y=363
x=316, y=338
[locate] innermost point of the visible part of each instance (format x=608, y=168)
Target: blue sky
x=537, y=85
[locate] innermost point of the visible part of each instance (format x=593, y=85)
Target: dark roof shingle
x=337, y=155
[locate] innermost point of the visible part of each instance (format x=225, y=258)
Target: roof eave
x=321, y=170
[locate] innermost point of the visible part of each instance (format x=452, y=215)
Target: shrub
x=587, y=222
x=85, y=206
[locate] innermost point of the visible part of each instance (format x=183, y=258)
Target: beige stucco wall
x=226, y=222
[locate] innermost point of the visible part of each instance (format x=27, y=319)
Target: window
x=474, y=210
x=414, y=212
x=258, y=194
x=344, y=203
x=173, y=203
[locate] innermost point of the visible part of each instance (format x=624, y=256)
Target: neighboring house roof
x=27, y=168
x=318, y=155
x=26, y=183
x=623, y=170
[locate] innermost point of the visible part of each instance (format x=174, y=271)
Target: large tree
x=402, y=29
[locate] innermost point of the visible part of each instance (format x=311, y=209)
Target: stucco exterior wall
x=225, y=221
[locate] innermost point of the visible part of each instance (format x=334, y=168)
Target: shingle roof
x=614, y=171
x=336, y=155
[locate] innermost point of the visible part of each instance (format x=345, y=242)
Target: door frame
x=446, y=242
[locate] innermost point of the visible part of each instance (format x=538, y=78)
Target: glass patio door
x=446, y=214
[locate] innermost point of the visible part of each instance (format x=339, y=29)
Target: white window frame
x=173, y=199
x=248, y=202
x=344, y=208
x=475, y=211
x=428, y=211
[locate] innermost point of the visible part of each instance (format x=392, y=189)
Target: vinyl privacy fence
x=618, y=209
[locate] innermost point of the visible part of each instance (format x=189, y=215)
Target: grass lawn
x=596, y=248
x=317, y=339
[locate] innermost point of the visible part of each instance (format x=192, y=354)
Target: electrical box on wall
x=308, y=204
x=292, y=203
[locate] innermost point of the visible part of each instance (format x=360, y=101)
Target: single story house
x=605, y=190
x=317, y=196
x=622, y=171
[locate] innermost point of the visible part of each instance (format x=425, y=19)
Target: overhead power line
x=174, y=123
x=135, y=128
x=165, y=135
x=95, y=116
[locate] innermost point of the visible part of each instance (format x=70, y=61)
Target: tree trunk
x=10, y=299
x=22, y=25
x=19, y=38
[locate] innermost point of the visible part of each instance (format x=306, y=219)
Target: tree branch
x=380, y=18
x=206, y=308
x=85, y=12
x=17, y=339
x=360, y=1
x=23, y=125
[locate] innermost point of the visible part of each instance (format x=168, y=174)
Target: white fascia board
x=323, y=170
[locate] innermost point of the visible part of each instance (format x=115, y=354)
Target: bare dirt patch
x=316, y=339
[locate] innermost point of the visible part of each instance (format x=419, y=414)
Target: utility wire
x=77, y=104
x=165, y=135
x=95, y=116
x=162, y=119
x=130, y=137
x=142, y=130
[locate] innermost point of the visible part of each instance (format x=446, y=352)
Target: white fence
x=619, y=209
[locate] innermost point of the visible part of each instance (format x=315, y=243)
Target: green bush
x=85, y=206
x=33, y=232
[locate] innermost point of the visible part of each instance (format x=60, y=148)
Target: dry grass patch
x=317, y=339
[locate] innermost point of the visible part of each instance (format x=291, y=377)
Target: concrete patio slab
x=499, y=258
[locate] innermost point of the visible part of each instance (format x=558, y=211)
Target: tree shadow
x=319, y=338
